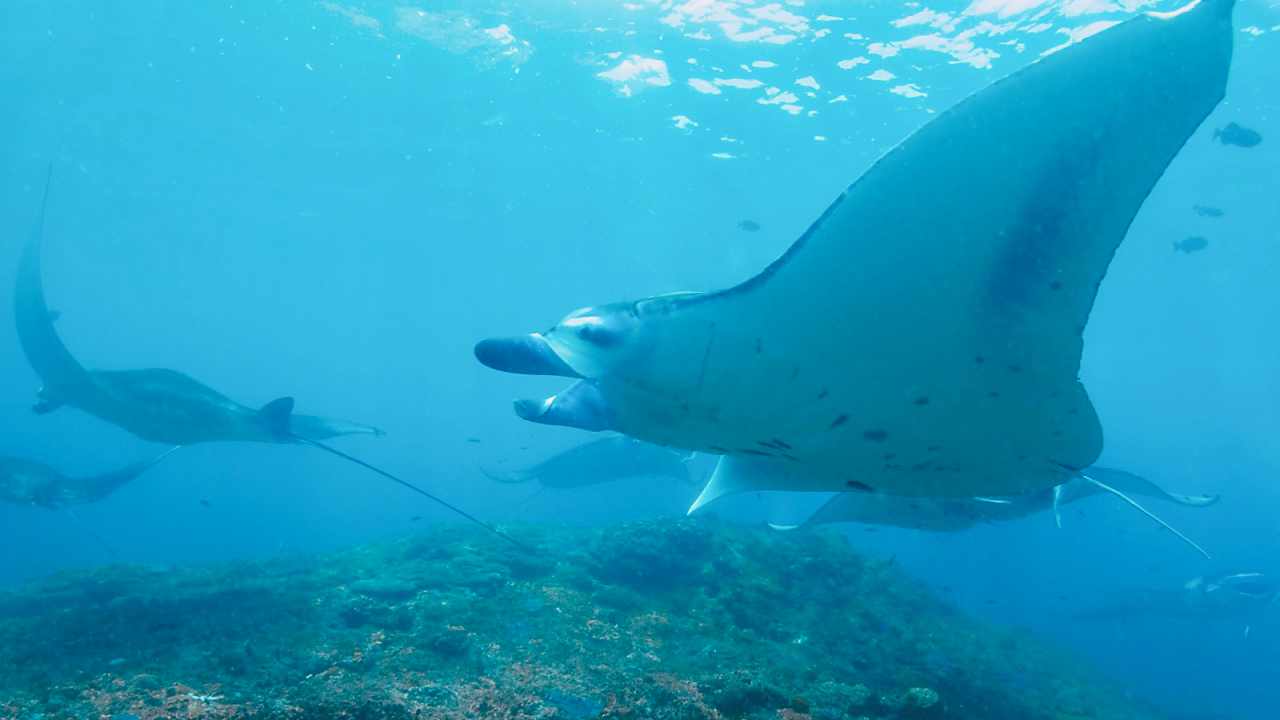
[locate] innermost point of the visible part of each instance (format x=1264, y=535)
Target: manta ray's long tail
x=98, y=487
x=415, y=488
x=1103, y=486
x=39, y=339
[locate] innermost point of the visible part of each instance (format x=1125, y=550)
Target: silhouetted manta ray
x=162, y=405
x=24, y=482
x=923, y=336
x=158, y=405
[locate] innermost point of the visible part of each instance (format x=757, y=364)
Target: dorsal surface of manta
x=24, y=482
x=158, y=405
x=608, y=459
x=954, y=514
x=923, y=336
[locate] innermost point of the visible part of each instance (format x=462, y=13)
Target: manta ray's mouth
x=524, y=355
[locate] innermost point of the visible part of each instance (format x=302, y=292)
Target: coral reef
x=663, y=619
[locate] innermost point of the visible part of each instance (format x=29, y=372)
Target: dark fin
x=275, y=415
x=44, y=350
x=409, y=485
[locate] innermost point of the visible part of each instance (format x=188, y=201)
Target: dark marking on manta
x=993, y=394
x=1015, y=369
x=718, y=449
x=922, y=400
x=890, y=456
x=795, y=373
x=854, y=484
x=759, y=453
x=979, y=360
x=823, y=393
x=1055, y=285
x=875, y=435
x=838, y=422
x=759, y=346
x=934, y=448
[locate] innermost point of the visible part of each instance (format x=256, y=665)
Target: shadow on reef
x=665, y=619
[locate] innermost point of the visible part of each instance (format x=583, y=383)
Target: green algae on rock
x=672, y=620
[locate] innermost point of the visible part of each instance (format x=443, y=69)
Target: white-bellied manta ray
x=923, y=337
x=162, y=405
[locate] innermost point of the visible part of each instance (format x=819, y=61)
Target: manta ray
x=162, y=405
x=23, y=482
x=157, y=404
x=608, y=459
x=947, y=514
x=1252, y=597
x=923, y=337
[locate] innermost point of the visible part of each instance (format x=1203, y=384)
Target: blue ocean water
x=334, y=201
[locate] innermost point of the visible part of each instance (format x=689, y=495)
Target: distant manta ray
x=158, y=405
x=161, y=405
x=617, y=457
x=24, y=482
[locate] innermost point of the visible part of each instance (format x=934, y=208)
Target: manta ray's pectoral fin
x=1138, y=485
x=275, y=417
x=1134, y=503
x=735, y=474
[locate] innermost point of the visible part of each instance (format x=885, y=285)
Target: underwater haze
x=334, y=201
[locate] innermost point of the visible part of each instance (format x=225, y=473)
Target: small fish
x=1238, y=135
x=473, y=440
x=1195, y=243
x=1208, y=211
x=205, y=503
x=748, y=226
